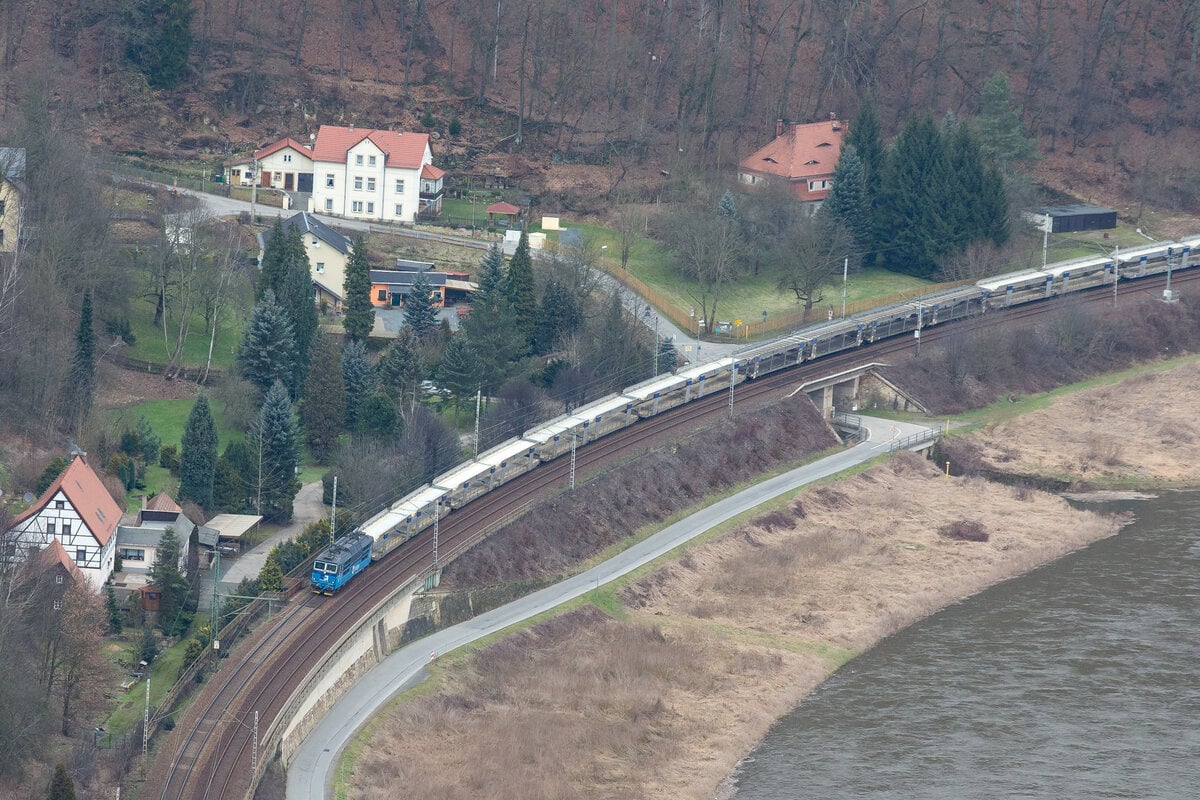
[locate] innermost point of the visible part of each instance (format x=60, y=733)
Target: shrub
x=455, y=126
x=427, y=118
x=964, y=530
x=168, y=458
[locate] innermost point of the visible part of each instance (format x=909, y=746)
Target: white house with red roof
x=286, y=164
x=802, y=155
x=79, y=513
x=372, y=174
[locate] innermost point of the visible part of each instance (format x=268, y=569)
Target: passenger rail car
x=450, y=491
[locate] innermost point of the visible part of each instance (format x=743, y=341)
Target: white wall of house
x=364, y=188
x=282, y=163
x=328, y=264
x=59, y=520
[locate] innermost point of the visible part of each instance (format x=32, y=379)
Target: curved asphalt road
x=311, y=770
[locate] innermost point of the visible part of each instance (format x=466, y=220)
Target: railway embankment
x=658, y=686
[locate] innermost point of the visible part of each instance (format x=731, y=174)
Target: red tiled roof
x=503, y=208
x=431, y=173
x=163, y=502
x=55, y=553
x=404, y=150
x=803, y=151
x=283, y=144
x=87, y=495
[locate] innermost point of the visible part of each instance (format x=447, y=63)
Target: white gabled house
x=78, y=512
x=286, y=164
x=372, y=174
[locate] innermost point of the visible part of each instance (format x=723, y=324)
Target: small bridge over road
x=847, y=390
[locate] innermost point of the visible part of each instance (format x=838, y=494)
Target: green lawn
x=131, y=705
x=150, y=345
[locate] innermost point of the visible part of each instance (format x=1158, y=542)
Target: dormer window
x=770, y=160
x=810, y=163
x=824, y=144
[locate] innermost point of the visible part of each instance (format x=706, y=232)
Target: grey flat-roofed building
x=1076, y=217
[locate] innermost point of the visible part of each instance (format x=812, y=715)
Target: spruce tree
x=163, y=42
x=62, y=787
x=80, y=386
x=399, y=372
x=668, y=358
x=115, y=622
x=356, y=294
x=491, y=271
x=273, y=439
x=847, y=201
x=993, y=207
x=420, y=314
x=274, y=261
x=229, y=488
x=519, y=290
x=377, y=416
x=727, y=206
x=358, y=377
x=1002, y=136
x=461, y=370
x=866, y=138
x=270, y=577
x=198, y=457
x=323, y=409
x=297, y=299
x=268, y=349
x=912, y=209
x=148, y=440
x=167, y=577
x=559, y=317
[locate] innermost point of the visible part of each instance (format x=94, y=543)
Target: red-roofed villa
x=802, y=155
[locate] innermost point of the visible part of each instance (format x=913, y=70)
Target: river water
x=1078, y=680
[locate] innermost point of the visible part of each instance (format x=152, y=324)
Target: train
x=417, y=511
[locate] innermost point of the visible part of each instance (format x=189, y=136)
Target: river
x=1080, y=680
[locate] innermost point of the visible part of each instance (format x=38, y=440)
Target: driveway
x=307, y=508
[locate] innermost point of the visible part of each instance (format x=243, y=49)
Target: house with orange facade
x=390, y=287
x=801, y=155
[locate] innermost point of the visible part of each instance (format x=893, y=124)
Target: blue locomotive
x=340, y=562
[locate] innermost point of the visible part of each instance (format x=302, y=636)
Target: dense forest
x=1106, y=86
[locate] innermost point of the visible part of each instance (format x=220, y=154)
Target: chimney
x=779, y=127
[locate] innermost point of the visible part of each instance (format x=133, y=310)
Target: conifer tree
x=399, y=372
x=727, y=206
x=461, y=371
x=356, y=294
x=62, y=787
x=866, y=138
x=559, y=316
x=112, y=609
x=668, y=358
x=270, y=577
x=912, y=207
x=518, y=288
x=296, y=297
x=273, y=439
x=166, y=575
x=148, y=441
x=377, y=416
x=847, y=201
x=358, y=377
x=1002, y=136
x=80, y=386
x=323, y=409
x=268, y=349
x=198, y=456
x=274, y=261
x=229, y=488
x=419, y=312
x=491, y=271
x=162, y=43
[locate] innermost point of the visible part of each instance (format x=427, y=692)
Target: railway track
x=211, y=752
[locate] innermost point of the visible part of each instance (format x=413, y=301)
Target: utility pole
x=845, y=275
x=574, y=439
x=478, y=398
x=1116, y=271
x=253, y=188
x=146, y=721
x=732, y=383
x=333, y=514
x=437, y=524
x=254, y=753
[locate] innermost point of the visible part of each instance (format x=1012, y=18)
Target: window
x=2, y=207
x=287, y=158
x=320, y=267
x=328, y=180
x=66, y=529
x=80, y=554
x=329, y=204
x=370, y=184
x=381, y=295
x=358, y=160
x=316, y=242
x=58, y=578
x=60, y=503
x=356, y=206
x=51, y=527
x=132, y=554
x=399, y=186
x=1, y=236
x=370, y=208
x=370, y=161
x=358, y=183
x=399, y=209
x=58, y=605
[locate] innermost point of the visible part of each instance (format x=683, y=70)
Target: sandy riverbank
x=661, y=693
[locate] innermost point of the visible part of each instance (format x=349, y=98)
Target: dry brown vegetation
x=714, y=646
x=979, y=367
x=1140, y=430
